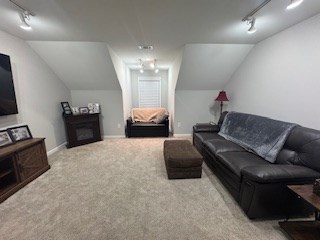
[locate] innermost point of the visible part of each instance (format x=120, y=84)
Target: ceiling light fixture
x=24, y=16
x=156, y=70
x=294, y=4
x=152, y=64
x=251, y=22
x=141, y=66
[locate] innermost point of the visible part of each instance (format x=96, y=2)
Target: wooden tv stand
x=21, y=163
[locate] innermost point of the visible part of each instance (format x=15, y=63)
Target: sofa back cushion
x=302, y=147
x=146, y=114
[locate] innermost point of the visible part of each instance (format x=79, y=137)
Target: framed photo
x=75, y=110
x=5, y=138
x=94, y=107
x=66, y=108
x=84, y=110
x=20, y=133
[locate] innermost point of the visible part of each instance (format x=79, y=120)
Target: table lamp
x=222, y=97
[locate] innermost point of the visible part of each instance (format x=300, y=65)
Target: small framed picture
x=94, y=107
x=83, y=110
x=75, y=110
x=5, y=138
x=20, y=133
x=66, y=108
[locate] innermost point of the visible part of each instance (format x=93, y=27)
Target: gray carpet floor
x=118, y=189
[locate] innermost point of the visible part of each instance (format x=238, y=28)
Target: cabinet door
x=30, y=161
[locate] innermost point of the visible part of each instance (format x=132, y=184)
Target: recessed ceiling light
x=145, y=47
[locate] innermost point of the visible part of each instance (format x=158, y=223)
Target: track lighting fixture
x=294, y=3
x=141, y=66
x=251, y=21
x=24, y=15
x=148, y=64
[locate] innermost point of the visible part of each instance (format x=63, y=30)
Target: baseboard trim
x=113, y=136
x=182, y=135
x=57, y=149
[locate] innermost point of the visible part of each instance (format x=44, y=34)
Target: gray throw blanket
x=261, y=135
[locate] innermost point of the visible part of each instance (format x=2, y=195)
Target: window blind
x=149, y=92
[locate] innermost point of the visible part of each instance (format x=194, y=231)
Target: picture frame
x=5, y=138
x=84, y=110
x=66, y=108
x=75, y=110
x=20, y=133
x=94, y=107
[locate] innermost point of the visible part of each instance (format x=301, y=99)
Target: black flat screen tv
x=8, y=103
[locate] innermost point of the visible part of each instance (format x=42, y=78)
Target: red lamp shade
x=222, y=97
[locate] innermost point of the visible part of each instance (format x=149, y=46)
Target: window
x=149, y=91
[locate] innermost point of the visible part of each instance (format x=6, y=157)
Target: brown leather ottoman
x=182, y=159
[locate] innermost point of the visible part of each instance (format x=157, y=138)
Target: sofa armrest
x=129, y=121
x=279, y=173
x=206, y=127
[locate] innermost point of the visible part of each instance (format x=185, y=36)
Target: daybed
x=148, y=122
x=260, y=186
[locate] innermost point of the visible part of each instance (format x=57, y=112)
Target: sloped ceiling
x=166, y=24
x=209, y=66
x=83, y=29
x=80, y=65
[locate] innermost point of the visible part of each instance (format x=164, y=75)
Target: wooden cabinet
x=20, y=164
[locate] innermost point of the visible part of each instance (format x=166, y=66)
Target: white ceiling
x=166, y=24
x=74, y=36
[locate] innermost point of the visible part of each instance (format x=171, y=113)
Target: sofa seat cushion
x=236, y=161
x=221, y=145
x=204, y=136
x=147, y=124
x=279, y=173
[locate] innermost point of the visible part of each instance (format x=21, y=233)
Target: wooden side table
x=304, y=230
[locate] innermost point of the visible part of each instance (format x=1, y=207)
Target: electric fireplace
x=82, y=129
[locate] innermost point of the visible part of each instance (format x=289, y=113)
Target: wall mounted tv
x=8, y=103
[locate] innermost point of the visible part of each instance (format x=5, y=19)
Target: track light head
x=25, y=16
x=251, y=21
x=294, y=4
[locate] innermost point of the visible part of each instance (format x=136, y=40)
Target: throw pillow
x=161, y=118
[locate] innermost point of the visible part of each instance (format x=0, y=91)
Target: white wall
x=280, y=78
x=38, y=90
x=123, y=75
x=110, y=106
x=80, y=65
x=195, y=107
x=209, y=66
x=173, y=75
x=135, y=83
